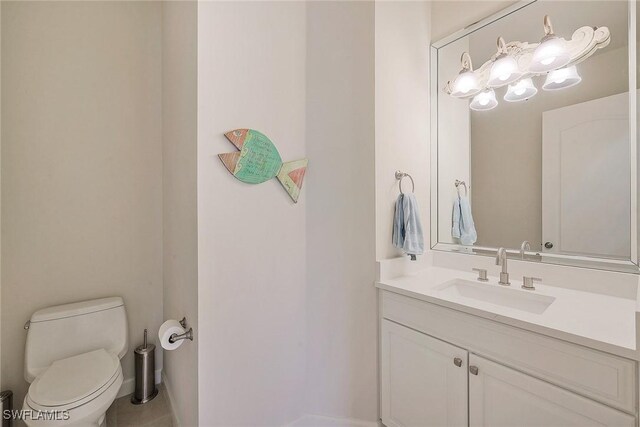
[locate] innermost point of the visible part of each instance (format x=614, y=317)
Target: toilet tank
x=66, y=330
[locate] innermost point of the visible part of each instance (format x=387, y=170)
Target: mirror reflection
x=533, y=133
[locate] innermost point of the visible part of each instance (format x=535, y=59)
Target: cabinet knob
x=473, y=370
x=457, y=361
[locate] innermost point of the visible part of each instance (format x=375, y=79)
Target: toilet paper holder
x=188, y=335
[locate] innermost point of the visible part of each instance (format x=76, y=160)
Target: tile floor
x=156, y=413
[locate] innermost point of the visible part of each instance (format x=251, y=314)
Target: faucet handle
x=527, y=282
x=482, y=274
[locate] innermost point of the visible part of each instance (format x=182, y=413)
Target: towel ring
x=399, y=176
x=458, y=183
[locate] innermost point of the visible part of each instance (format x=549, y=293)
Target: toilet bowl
x=76, y=391
x=72, y=360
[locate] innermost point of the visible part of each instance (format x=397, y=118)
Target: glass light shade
x=485, y=100
x=549, y=55
x=504, y=71
x=562, y=78
x=520, y=91
x=466, y=84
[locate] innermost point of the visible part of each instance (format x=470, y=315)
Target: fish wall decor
x=258, y=161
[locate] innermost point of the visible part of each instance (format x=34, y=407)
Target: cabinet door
x=500, y=396
x=422, y=384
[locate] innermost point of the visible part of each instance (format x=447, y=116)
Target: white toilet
x=72, y=360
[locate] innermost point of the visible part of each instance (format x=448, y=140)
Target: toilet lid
x=69, y=380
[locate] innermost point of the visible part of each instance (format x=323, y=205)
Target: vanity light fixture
x=551, y=53
x=520, y=91
x=466, y=84
x=505, y=67
x=517, y=61
x=562, y=78
x=485, y=100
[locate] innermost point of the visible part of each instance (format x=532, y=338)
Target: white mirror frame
x=629, y=266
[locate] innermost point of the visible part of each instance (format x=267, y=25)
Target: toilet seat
x=72, y=382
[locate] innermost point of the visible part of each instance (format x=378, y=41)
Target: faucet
x=501, y=260
x=525, y=246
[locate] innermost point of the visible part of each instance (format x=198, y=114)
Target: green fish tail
x=291, y=176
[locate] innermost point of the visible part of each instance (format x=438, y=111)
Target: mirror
x=531, y=136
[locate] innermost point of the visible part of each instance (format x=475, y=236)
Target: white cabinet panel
x=500, y=396
x=421, y=383
x=601, y=376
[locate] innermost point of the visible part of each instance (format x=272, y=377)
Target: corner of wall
x=402, y=39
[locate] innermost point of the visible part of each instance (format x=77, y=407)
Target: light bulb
x=504, y=71
x=551, y=53
x=520, y=91
x=483, y=101
x=562, y=78
x=548, y=60
x=466, y=84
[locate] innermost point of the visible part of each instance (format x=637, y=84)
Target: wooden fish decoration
x=258, y=161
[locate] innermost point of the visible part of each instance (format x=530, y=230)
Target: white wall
x=81, y=165
x=341, y=304
x=402, y=40
x=1, y=382
x=447, y=17
x=288, y=285
x=251, y=238
x=180, y=233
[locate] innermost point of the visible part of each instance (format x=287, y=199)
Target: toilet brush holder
x=6, y=404
x=145, y=363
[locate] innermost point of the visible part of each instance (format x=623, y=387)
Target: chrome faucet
x=501, y=260
x=524, y=247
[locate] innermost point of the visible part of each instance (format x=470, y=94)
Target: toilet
x=72, y=361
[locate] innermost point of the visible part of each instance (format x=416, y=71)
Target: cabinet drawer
x=600, y=376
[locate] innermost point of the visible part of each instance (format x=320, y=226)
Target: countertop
x=603, y=322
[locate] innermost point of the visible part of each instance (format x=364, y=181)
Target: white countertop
x=598, y=321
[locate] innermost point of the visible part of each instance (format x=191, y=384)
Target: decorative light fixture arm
x=502, y=48
x=548, y=27
x=465, y=61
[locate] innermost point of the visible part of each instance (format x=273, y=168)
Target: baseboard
x=172, y=405
x=129, y=384
x=322, y=421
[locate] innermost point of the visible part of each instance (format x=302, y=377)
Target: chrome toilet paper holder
x=188, y=335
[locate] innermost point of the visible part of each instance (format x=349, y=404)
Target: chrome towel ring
x=458, y=183
x=399, y=176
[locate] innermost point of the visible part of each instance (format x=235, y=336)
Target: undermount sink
x=466, y=291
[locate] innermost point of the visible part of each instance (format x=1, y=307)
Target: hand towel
x=398, y=224
x=455, y=228
x=407, y=229
x=463, y=227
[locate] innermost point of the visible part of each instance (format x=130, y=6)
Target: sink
x=459, y=290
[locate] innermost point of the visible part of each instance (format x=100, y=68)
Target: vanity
x=455, y=351
x=543, y=151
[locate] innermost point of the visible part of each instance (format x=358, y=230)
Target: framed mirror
x=534, y=135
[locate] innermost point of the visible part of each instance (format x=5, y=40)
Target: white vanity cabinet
x=501, y=396
x=441, y=367
x=424, y=380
